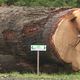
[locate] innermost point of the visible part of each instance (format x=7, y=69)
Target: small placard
x=38, y=47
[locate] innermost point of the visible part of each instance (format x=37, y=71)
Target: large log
x=19, y=28
x=57, y=28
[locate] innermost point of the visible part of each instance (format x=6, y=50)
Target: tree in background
x=10, y=2
x=65, y=3
x=78, y=3
x=45, y=3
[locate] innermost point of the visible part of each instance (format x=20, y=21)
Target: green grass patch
x=43, y=76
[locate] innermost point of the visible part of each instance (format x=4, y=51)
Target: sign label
x=38, y=47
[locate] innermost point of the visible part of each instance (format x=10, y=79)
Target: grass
x=43, y=76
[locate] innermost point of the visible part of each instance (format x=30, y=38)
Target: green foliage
x=78, y=3
x=10, y=2
x=23, y=2
x=1, y=2
x=65, y=3
x=45, y=3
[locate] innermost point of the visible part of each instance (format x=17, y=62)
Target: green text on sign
x=38, y=47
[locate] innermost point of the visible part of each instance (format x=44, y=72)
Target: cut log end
x=66, y=40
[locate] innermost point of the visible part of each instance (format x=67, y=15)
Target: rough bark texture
x=21, y=26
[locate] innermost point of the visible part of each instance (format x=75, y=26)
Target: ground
x=42, y=76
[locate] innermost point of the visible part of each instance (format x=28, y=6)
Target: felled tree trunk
x=21, y=27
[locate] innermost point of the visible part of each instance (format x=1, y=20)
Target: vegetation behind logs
x=45, y=3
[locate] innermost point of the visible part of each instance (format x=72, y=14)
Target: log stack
x=58, y=28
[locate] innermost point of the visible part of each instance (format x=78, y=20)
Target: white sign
x=38, y=47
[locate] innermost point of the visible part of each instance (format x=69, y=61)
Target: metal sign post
x=38, y=48
x=38, y=62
